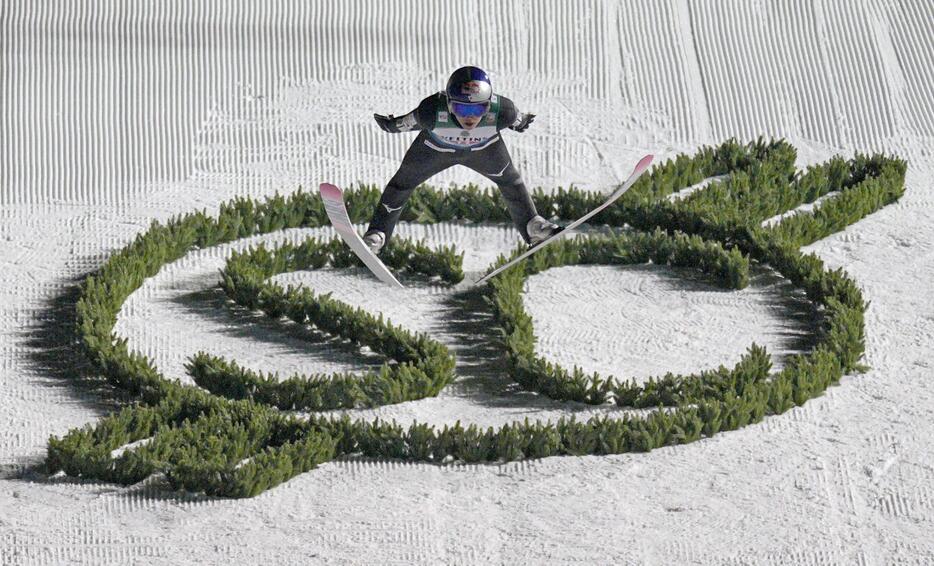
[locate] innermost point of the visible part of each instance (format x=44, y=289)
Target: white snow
x=116, y=115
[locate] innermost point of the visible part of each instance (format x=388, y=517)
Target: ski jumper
x=441, y=143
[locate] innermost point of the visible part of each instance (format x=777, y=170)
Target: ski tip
x=329, y=190
x=644, y=163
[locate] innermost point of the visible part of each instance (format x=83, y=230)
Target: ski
x=333, y=199
x=636, y=173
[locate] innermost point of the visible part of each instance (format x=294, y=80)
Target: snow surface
x=114, y=116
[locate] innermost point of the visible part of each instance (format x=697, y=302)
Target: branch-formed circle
x=423, y=366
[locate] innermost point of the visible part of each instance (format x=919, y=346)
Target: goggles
x=469, y=110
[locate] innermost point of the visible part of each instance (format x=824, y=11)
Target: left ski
x=333, y=199
x=636, y=173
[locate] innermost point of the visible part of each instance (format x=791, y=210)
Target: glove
x=386, y=123
x=523, y=122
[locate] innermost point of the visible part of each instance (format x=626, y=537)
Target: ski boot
x=375, y=240
x=540, y=230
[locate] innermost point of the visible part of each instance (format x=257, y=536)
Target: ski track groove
x=636, y=40
x=872, y=114
x=917, y=65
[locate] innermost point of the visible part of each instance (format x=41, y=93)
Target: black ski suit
x=441, y=143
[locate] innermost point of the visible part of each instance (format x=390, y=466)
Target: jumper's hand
x=522, y=122
x=386, y=123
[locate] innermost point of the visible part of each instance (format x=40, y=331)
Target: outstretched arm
x=395, y=125
x=510, y=117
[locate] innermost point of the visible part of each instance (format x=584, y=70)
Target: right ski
x=333, y=199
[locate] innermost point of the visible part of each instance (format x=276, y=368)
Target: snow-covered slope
x=113, y=116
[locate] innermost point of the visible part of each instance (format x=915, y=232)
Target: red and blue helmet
x=469, y=92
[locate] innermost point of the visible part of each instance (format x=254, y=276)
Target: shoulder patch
x=442, y=116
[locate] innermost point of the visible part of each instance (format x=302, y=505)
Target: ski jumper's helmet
x=469, y=92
